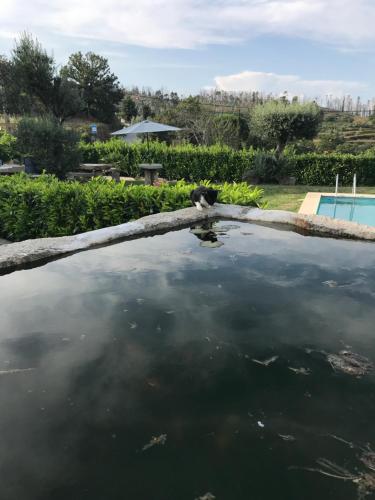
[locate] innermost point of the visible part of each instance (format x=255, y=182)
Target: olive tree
x=277, y=123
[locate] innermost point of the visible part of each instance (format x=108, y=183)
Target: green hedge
x=223, y=164
x=8, y=150
x=320, y=169
x=217, y=163
x=32, y=208
x=192, y=163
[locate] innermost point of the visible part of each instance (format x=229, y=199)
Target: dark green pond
x=104, y=350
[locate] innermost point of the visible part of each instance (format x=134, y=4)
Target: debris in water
x=169, y=312
x=300, y=371
x=260, y=424
x=365, y=481
x=351, y=445
x=15, y=370
x=330, y=283
x=219, y=286
x=286, y=437
x=154, y=441
x=368, y=459
x=158, y=328
x=133, y=325
x=140, y=301
x=266, y=362
x=82, y=337
x=211, y=244
x=206, y=496
x=350, y=363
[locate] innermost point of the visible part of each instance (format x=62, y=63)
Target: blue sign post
x=94, y=131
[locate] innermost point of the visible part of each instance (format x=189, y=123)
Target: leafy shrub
x=32, y=208
x=265, y=168
x=268, y=169
x=51, y=146
x=8, y=149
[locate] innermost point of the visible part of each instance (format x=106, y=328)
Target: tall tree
x=13, y=99
x=35, y=74
x=99, y=88
x=128, y=108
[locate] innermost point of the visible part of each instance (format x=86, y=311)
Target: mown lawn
x=291, y=197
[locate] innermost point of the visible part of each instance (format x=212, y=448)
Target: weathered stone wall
x=24, y=252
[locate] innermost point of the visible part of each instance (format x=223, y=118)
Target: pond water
x=191, y=365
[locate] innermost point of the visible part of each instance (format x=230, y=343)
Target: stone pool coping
x=310, y=204
x=19, y=254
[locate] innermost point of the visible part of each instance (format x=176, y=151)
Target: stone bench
x=11, y=168
x=151, y=172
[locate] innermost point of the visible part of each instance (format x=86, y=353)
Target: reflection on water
x=159, y=369
x=206, y=233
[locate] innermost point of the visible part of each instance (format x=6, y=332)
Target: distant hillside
x=354, y=130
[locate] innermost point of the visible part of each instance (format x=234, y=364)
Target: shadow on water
x=164, y=369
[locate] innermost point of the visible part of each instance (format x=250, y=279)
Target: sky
x=305, y=47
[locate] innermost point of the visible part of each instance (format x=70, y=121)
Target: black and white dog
x=203, y=197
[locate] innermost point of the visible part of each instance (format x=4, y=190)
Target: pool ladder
x=354, y=194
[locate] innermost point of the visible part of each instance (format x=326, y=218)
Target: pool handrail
x=354, y=194
x=336, y=193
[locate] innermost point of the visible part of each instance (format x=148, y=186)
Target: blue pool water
x=360, y=210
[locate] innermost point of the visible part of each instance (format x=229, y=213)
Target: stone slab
x=25, y=252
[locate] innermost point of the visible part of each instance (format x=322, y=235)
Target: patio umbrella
x=145, y=127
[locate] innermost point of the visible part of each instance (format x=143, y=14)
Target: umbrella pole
x=148, y=147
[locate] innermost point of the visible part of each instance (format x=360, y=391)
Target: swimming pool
x=222, y=343
x=358, y=209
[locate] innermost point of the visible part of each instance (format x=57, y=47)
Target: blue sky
x=308, y=47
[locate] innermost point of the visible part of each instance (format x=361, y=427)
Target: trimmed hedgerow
x=223, y=164
x=42, y=207
x=192, y=163
x=321, y=169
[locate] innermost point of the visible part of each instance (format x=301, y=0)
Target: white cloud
x=293, y=84
x=191, y=23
